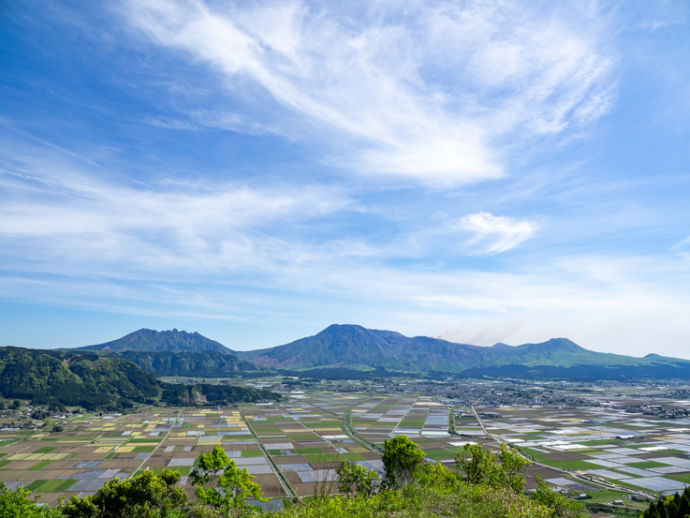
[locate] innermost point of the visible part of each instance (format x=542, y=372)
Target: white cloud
x=186, y=250
x=69, y=218
x=682, y=248
x=494, y=234
x=423, y=92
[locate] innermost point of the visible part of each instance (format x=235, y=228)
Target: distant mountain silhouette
x=149, y=340
x=350, y=351
x=355, y=347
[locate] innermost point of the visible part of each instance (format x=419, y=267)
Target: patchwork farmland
x=294, y=447
x=600, y=444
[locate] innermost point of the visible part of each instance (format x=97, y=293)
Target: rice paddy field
x=294, y=447
x=602, y=444
x=94, y=449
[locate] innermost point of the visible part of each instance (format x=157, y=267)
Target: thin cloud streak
x=426, y=94
x=495, y=234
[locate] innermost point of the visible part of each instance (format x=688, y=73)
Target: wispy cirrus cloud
x=494, y=234
x=682, y=248
x=64, y=212
x=426, y=92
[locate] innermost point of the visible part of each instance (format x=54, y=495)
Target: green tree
x=512, y=466
x=16, y=504
x=401, y=458
x=222, y=485
x=356, y=479
x=145, y=496
x=560, y=505
x=672, y=506
x=483, y=466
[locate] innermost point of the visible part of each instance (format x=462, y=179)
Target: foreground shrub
x=143, y=496
x=415, y=501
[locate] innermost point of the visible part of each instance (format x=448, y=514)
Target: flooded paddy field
x=294, y=447
x=603, y=444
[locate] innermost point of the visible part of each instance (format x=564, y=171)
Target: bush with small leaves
x=482, y=466
x=401, y=458
x=16, y=504
x=146, y=495
x=356, y=480
x=222, y=485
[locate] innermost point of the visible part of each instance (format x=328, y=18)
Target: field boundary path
x=177, y=416
x=281, y=478
x=586, y=480
x=346, y=420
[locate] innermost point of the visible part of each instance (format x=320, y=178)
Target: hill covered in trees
x=93, y=381
x=87, y=379
x=210, y=364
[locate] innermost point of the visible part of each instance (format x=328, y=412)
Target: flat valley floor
x=293, y=448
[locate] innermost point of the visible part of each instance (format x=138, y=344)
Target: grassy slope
x=421, y=502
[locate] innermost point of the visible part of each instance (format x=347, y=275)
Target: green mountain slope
x=350, y=345
x=190, y=364
x=344, y=346
x=159, y=341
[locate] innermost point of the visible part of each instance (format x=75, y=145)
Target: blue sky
x=255, y=171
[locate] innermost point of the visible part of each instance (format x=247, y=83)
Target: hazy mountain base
x=351, y=347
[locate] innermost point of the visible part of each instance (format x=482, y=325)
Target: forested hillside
x=94, y=381
x=85, y=379
x=209, y=364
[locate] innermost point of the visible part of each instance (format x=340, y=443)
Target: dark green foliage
x=482, y=466
x=204, y=393
x=158, y=341
x=92, y=381
x=222, y=485
x=210, y=364
x=146, y=495
x=16, y=504
x=354, y=479
x=401, y=458
x=561, y=506
x=88, y=380
x=676, y=506
x=434, y=491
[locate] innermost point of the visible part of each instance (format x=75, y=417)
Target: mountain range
x=349, y=349
x=160, y=341
x=175, y=353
